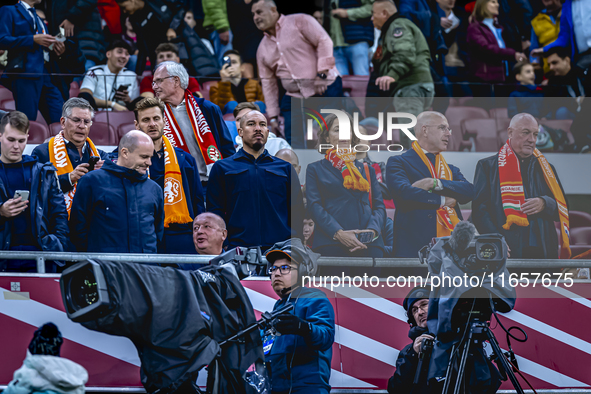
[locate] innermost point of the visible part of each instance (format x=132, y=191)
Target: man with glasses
x=209, y=234
x=191, y=123
x=299, y=359
x=71, y=150
x=425, y=188
x=416, y=305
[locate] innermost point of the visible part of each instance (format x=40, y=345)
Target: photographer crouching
x=298, y=350
x=409, y=359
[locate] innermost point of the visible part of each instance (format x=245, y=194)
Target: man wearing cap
x=416, y=305
x=299, y=359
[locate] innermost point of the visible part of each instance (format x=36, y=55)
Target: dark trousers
x=31, y=95
x=294, y=120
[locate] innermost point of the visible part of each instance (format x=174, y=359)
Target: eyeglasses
x=158, y=81
x=415, y=309
x=442, y=128
x=284, y=269
x=77, y=121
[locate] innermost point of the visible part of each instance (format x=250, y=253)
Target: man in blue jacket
x=426, y=190
x=258, y=195
x=25, y=37
x=32, y=210
x=192, y=124
x=117, y=209
x=299, y=359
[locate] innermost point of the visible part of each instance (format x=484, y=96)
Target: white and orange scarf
x=513, y=197
x=175, y=211
x=203, y=135
x=58, y=155
x=447, y=218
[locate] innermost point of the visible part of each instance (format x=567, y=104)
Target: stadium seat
x=579, y=219
x=205, y=86
x=578, y=249
x=38, y=133
x=124, y=128
x=455, y=116
x=580, y=236
x=9, y=105
x=499, y=113
x=563, y=125
x=114, y=118
x=103, y=134
x=390, y=213
x=55, y=128
x=5, y=94
x=484, y=132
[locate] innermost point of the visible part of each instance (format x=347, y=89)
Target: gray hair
x=176, y=70
x=132, y=139
x=76, y=102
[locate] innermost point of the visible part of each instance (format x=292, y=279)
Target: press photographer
x=409, y=368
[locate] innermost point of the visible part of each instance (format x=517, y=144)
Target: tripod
x=478, y=331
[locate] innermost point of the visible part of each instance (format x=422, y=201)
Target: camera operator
x=416, y=305
x=299, y=359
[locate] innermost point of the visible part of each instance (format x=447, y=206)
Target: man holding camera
x=416, y=305
x=111, y=86
x=71, y=151
x=299, y=359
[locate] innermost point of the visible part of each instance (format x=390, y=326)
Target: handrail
x=41, y=257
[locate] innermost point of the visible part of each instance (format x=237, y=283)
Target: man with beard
x=257, y=195
x=176, y=172
x=416, y=305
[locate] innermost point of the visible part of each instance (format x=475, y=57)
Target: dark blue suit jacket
x=16, y=36
x=415, y=221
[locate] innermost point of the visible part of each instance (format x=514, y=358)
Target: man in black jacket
x=32, y=212
x=416, y=305
x=118, y=209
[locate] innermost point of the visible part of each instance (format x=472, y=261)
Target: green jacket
x=403, y=53
x=216, y=14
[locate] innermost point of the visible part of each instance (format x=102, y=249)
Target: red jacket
x=486, y=57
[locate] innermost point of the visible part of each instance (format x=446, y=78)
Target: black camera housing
x=84, y=291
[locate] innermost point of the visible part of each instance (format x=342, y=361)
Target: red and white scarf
x=203, y=135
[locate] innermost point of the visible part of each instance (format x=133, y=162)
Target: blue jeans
x=218, y=47
x=355, y=55
x=297, y=140
x=230, y=105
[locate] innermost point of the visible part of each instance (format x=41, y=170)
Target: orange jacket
x=222, y=93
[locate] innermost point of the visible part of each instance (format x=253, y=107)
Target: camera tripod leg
x=449, y=370
x=462, y=366
x=508, y=369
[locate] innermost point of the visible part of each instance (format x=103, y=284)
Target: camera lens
x=487, y=251
x=83, y=289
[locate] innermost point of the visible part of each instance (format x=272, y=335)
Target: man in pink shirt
x=298, y=51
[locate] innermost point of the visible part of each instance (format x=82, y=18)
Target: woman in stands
x=489, y=56
x=344, y=198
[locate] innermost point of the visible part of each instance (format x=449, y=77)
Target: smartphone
x=121, y=88
x=365, y=237
x=23, y=194
x=226, y=60
x=92, y=162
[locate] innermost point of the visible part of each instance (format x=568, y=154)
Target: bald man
x=290, y=156
x=519, y=195
x=257, y=195
x=427, y=191
x=118, y=209
x=209, y=234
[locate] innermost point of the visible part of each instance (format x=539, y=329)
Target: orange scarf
x=344, y=161
x=58, y=155
x=203, y=135
x=447, y=218
x=513, y=197
x=174, y=210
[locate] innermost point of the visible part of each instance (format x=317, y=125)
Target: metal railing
x=42, y=257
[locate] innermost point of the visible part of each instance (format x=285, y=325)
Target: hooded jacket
x=49, y=218
x=117, y=210
x=48, y=374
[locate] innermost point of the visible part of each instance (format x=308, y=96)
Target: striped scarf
x=344, y=161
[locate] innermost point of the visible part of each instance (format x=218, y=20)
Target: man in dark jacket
x=425, y=189
x=299, y=359
x=258, y=195
x=501, y=203
x=416, y=305
x=192, y=124
x=183, y=200
x=118, y=209
x=74, y=142
x=32, y=212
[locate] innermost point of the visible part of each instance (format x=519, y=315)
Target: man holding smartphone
x=111, y=86
x=32, y=211
x=71, y=151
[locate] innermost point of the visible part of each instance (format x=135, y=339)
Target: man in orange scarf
x=425, y=188
x=176, y=172
x=519, y=195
